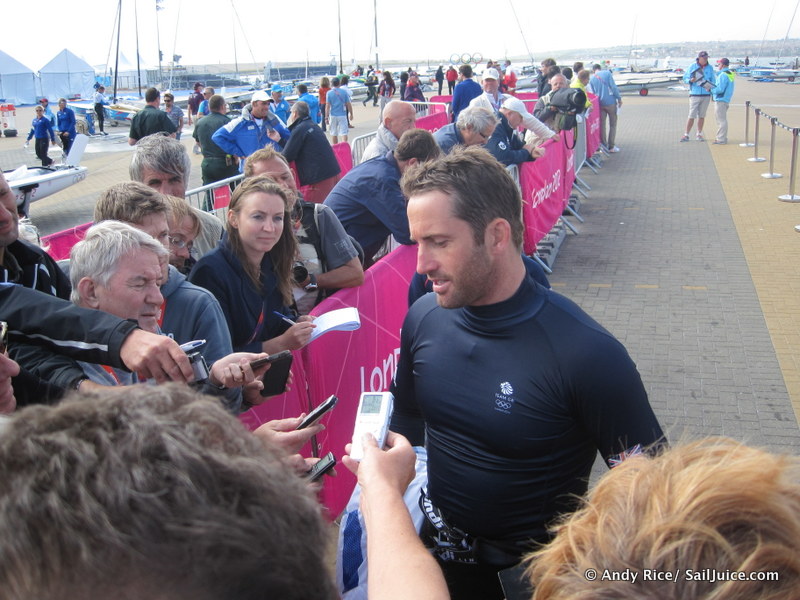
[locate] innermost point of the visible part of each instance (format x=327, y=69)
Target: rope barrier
x=775, y=124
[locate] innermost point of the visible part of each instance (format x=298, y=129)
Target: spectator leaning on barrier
x=543, y=111
x=398, y=117
x=506, y=145
x=368, y=200
x=701, y=79
x=483, y=349
x=723, y=92
x=256, y=128
x=154, y=492
x=602, y=85
x=308, y=147
x=163, y=164
x=475, y=125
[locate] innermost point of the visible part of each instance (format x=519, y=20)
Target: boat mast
x=522, y=33
x=339, y=12
x=780, y=52
x=375, y=7
x=116, y=60
x=158, y=42
x=138, y=66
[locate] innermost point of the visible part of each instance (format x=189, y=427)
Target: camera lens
x=300, y=273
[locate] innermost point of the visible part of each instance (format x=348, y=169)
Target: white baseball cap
x=260, y=95
x=491, y=74
x=518, y=106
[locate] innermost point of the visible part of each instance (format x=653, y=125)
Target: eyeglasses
x=3, y=337
x=181, y=243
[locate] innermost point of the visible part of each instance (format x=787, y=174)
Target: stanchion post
x=756, y=157
x=790, y=197
x=772, y=174
x=747, y=143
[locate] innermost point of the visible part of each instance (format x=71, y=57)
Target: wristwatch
x=312, y=283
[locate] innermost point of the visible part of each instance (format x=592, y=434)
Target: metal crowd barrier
x=203, y=197
x=360, y=144
x=775, y=124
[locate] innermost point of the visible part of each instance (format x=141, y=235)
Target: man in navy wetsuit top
x=512, y=387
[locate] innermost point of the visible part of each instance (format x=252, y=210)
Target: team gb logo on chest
x=504, y=399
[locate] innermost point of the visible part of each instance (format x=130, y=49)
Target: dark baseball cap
x=724, y=61
x=703, y=54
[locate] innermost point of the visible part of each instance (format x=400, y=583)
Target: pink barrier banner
x=222, y=197
x=527, y=95
x=60, y=243
x=542, y=185
x=433, y=122
x=440, y=99
x=593, y=127
x=348, y=363
x=344, y=156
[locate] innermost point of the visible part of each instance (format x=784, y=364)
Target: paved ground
x=689, y=258
x=686, y=255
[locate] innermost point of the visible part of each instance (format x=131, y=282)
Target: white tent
x=17, y=82
x=66, y=76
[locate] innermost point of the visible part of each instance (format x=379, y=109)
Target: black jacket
x=311, y=152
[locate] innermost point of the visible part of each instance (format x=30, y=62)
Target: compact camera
x=199, y=366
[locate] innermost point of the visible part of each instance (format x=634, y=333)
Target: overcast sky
x=420, y=29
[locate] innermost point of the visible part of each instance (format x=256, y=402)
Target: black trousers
x=41, y=145
x=101, y=115
x=66, y=141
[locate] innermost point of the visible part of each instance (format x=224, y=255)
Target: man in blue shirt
x=603, y=86
x=465, y=91
x=701, y=80
x=722, y=99
x=280, y=106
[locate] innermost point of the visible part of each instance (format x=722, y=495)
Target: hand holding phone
x=316, y=414
x=275, y=379
x=324, y=465
x=373, y=416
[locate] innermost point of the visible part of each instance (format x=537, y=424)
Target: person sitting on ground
x=475, y=125
x=327, y=255
x=398, y=117
x=368, y=200
x=154, y=492
x=250, y=272
x=308, y=147
x=163, y=164
x=713, y=512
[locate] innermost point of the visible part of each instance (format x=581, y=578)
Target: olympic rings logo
x=466, y=58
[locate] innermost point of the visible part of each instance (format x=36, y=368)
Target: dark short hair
x=129, y=202
x=465, y=70
x=301, y=108
x=154, y=491
x=335, y=82
x=302, y=88
x=216, y=103
x=480, y=187
x=151, y=94
x=417, y=143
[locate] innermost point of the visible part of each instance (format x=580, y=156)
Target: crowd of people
x=108, y=485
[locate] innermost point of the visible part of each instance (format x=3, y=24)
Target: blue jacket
x=463, y=94
x=370, y=205
x=242, y=137
x=248, y=311
x=708, y=74
x=447, y=137
x=506, y=146
x=602, y=85
x=313, y=106
x=41, y=128
x=282, y=110
x=724, y=89
x=66, y=121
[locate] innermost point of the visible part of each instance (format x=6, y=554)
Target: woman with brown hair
x=250, y=272
x=324, y=88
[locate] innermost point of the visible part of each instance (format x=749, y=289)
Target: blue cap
x=277, y=88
